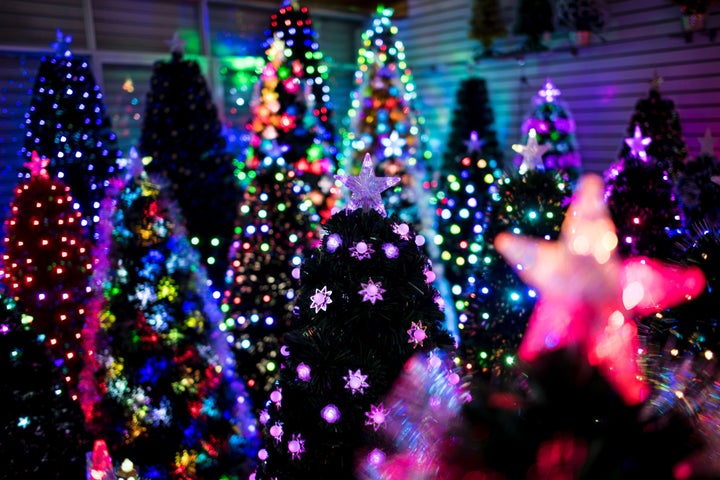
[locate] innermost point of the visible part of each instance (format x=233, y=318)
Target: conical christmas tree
x=698, y=186
x=366, y=305
x=67, y=124
x=172, y=404
x=182, y=134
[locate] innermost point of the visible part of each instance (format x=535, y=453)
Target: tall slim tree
x=385, y=122
x=172, y=404
x=366, y=305
x=67, y=124
x=275, y=228
x=182, y=134
x=471, y=168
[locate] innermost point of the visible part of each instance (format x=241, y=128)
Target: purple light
x=330, y=413
x=376, y=457
x=391, y=251
x=303, y=372
x=333, y=242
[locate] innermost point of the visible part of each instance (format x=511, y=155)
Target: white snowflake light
x=371, y=291
x=361, y=250
x=296, y=446
x=276, y=431
x=321, y=299
x=356, y=381
x=402, y=229
x=376, y=416
x=393, y=145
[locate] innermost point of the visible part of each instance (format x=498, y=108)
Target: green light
x=211, y=260
x=293, y=237
x=510, y=360
x=483, y=355
x=454, y=186
x=215, y=242
x=195, y=240
x=265, y=247
x=445, y=255
x=271, y=366
x=438, y=240
x=224, y=308
x=281, y=207
x=532, y=215
x=514, y=297
x=455, y=229
x=549, y=215
x=475, y=247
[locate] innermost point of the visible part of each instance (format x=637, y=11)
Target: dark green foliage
x=699, y=194
x=43, y=431
x=350, y=335
x=181, y=131
x=645, y=209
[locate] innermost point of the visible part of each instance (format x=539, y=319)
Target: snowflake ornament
x=376, y=416
x=391, y=251
x=321, y=299
x=356, y=381
x=371, y=291
x=402, y=229
x=276, y=431
x=361, y=250
x=417, y=333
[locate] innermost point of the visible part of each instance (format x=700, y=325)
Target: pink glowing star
x=37, y=165
x=417, y=334
x=320, y=299
x=371, y=291
x=587, y=296
x=356, y=381
x=376, y=416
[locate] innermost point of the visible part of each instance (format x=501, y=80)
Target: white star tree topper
x=637, y=144
x=531, y=152
x=707, y=143
x=365, y=188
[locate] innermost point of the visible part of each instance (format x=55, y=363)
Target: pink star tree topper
x=588, y=297
x=365, y=188
x=37, y=165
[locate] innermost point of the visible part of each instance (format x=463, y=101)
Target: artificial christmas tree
x=181, y=133
x=291, y=124
x=698, y=185
x=172, y=403
x=497, y=304
x=471, y=167
x=275, y=228
x=366, y=305
x=659, y=121
x=67, y=124
x=385, y=123
x=44, y=434
x=555, y=128
x=47, y=266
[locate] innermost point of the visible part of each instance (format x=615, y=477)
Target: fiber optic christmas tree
x=555, y=128
x=181, y=132
x=698, y=185
x=366, y=305
x=498, y=304
x=47, y=265
x=657, y=118
x=471, y=168
x=275, y=228
x=67, y=123
x=385, y=123
x=641, y=192
x=172, y=403
x=43, y=430
x=292, y=113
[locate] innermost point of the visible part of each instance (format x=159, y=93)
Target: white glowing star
x=321, y=299
x=371, y=291
x=356, y=381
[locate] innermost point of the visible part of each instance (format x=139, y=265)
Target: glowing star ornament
x=376, y=416
x=588, y=296
x=474, y=144
x=707, y=143
x=531, y=152
x=61, y=45
x=37, y=165
x=365, y=188
x=371, y=291
x=176, y=43
x=549, y=92
x=320, y=299
x=356, y=381
x=637, y=144
x=417, y=333
x=393, y=145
